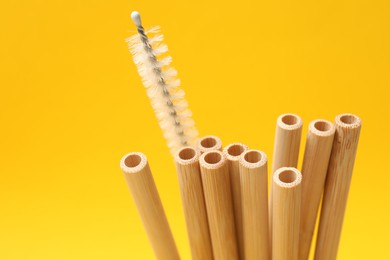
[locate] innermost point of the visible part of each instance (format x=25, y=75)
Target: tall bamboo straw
x=254, y=194
x=286, y=148
x=287, y=141
x=190, y=182
x=315, y=164
x=144, y=192
x=286, y=189
x=232, y=153
x=219, y=204
x=337, y=185
x=209, y=143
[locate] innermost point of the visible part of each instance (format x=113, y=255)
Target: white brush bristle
x=147, y=70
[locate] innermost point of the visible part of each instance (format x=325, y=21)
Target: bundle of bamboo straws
x=225, y=194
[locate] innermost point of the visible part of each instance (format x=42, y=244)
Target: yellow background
x=71, y=104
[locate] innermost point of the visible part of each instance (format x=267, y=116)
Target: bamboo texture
x=190, y=182
x=254, y=194
x=219, y=204
x=337, y=185
x=232, y=153
x=319, y=143
x=287, y=141
x=286, y=210
x=145, y=195
x=209, y=143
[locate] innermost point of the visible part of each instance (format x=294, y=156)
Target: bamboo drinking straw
x=254, y=194
x=286, y=147
x=232, y=153
x=315, y=164
x=337, y=185
x=287, y=141
x=219, y=204
x=190, y=182
x=286, y=210
x=209, y=143
x=144, y=192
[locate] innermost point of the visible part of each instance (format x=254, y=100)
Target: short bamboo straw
x=286, y=148
x=254, y=194
x=144, y=192
x=190, y=182
x=286, y=189
x=315, y=164
x=337, y=185
x=219, y=204
x=232, y=153
x=287, y=141
x=209, y=143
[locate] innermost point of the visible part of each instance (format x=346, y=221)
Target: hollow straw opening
x=348, y=119
x=287, y=176
x=289, y=122
x=235, y=149
x=322, y=126
x=253, y=157
x=208, y=142
x=132, y=160
x=187, y=153
x=290, y=119
x=213, y=158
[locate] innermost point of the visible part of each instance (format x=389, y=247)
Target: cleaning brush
x=163, y=86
